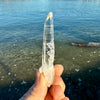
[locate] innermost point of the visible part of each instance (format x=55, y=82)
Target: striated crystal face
x=48, y=50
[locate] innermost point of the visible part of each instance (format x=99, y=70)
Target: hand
x=40, y=91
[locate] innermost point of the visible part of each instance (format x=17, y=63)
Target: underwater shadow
x=82, y=85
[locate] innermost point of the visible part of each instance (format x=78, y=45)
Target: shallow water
x=21, y=30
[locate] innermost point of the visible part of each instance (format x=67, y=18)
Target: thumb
x=40, y=87
x=39, y=90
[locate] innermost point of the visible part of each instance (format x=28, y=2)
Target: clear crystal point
x=48, y=50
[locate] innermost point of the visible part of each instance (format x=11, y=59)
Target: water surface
x=21, y=30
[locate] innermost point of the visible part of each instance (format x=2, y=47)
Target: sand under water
x=19, y=61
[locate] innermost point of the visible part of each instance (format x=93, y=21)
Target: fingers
x=58, y=86
x=58, y=81
x=56, y=92
x=57, y=89
x=58, y=70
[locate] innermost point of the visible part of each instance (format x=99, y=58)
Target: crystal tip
x=50, y=15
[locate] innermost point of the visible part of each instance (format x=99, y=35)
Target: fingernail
x=66, y=98
x=57, y=88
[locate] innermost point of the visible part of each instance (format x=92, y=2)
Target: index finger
x=58, y=70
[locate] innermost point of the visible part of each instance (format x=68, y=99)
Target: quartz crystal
x=48, y=50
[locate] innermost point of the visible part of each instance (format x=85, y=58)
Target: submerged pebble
x=91, y=55
x=12, y=82
x=1, y=79
x=9, y=90
x=15, y=75
x=15, y=65
x=73, y=58
x=23, y=82
x=9, y=73
x=81, y=50
x=88, y=61
x=17, y=89
x=79, y=79
x=90, y=70
x=77, y=70
x=98, y=68
x=94, y=52
x=66, y=78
